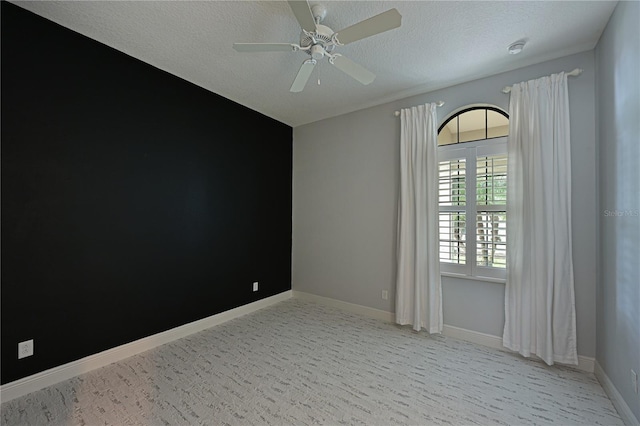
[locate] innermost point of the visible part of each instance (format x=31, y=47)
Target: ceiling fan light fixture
x=516, y=47
x=317, y=51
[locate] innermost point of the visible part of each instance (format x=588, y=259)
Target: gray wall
x=618, y=96
x=346, y=188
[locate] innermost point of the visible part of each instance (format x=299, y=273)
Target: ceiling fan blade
x=303, y=75
x=303, y=14
x=375, y=25
x=264, y=47
x=349, y=67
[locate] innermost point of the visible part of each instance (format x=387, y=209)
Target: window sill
x=474, y=278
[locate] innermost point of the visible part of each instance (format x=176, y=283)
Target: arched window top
x=472, y=123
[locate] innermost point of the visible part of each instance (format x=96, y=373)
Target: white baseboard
x=351, y=307
x=625, y=412
x=472, y=336
x=584, y=363
x=55, y=375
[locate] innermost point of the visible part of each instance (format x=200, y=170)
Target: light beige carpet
x=302, y=363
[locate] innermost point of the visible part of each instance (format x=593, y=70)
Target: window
x=472, y=192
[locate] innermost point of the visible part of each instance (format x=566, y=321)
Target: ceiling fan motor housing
x=320, y=40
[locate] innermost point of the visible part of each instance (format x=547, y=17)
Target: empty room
x=320, y=212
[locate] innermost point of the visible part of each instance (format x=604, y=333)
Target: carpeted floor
x=303, y=363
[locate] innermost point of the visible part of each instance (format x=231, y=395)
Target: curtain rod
x=575, y=72
x=438, y=104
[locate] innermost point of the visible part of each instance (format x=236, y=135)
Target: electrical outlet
x=385, y=295
x=255, y=286
x=634, y=381
x=25, y=349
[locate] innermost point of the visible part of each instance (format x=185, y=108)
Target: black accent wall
x=132, y=201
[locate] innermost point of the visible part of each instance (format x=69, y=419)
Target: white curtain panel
x=540, y=314
x=418, y=286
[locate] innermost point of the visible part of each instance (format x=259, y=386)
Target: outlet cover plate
x=255, y=286
x=25, y=349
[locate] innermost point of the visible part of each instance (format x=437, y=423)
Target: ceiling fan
x=319, y=41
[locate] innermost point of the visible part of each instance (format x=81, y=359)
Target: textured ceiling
x=439, y=44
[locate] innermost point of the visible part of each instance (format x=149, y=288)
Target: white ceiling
x=440, y=43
